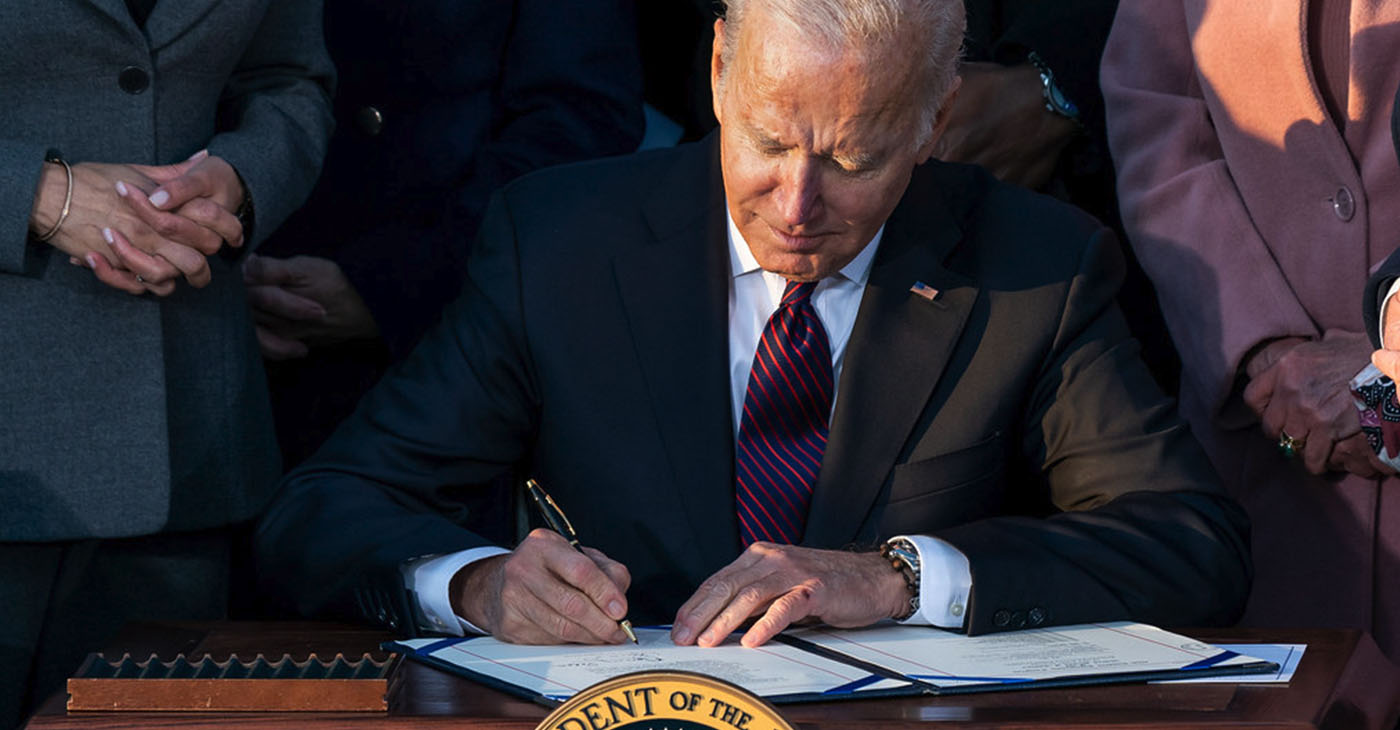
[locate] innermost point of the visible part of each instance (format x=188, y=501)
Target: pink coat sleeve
x=1221, y=288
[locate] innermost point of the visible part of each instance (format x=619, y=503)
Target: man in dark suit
x=438, y=103
x=945, y=373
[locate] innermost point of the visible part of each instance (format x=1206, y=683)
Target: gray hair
x=869, y=23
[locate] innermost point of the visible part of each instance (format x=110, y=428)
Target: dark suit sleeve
x=569, y=89
x=397, y=480
x=1142, y=528
x=1375, y=292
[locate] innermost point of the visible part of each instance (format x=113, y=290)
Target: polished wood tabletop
x=1342, y=683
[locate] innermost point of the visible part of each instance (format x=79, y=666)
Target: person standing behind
x=1257, y=184
x=134, y=426
x=438, y=104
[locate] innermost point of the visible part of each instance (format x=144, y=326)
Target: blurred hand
x=303, y=302
x=545, y=592
x=1303, y=388
x=999, y=121
x=784, y=584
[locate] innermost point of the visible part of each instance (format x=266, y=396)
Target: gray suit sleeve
x=275, y=112
x=20, y=166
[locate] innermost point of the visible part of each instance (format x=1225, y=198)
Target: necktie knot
x=798, y=292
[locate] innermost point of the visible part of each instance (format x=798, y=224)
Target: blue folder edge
x=918, y=684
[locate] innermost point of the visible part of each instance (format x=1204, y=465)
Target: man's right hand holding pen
x=545, y=592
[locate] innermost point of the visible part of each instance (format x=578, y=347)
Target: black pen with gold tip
x=560, y=524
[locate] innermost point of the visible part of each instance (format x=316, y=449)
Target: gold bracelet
x=67, y=199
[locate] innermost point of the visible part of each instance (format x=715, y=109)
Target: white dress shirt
x=946, y=578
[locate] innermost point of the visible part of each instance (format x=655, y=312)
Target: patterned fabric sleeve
x=1374, y=395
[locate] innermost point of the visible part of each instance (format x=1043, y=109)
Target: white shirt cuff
x=1380, y=323
x=429, y=578
x=945, y=582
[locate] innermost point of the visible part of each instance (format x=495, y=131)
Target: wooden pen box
x=200, y=683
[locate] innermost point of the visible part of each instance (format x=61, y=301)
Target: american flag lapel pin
x=924, y=290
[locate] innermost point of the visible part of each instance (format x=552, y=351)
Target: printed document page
x=558, y=672
x=949, y=659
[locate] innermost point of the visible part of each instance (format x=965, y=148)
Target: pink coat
x=1243, y=203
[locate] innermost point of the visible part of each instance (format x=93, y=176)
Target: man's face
x=816, y=146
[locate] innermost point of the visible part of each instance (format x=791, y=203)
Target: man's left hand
x=784, y=584
x=304, y=301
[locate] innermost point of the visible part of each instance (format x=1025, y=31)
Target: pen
x=560, y=524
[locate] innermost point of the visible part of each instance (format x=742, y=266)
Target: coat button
x=369, y=120
x=1344, y=205
x=1002, y=618
x=1036, y=616
x=133, y=80
x=1018, y=620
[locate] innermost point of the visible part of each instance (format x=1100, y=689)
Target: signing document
x=820, y=663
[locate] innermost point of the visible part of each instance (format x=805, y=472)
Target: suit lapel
x=117, y=10
x=171, y=19
x=898, y=349
x=676, y=296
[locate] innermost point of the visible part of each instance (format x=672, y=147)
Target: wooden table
x=1343, y=682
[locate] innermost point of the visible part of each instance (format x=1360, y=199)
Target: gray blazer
x=124, y=415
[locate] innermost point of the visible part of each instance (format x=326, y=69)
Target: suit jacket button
x=1018, y=620
x=1002, y=618
x=369, y=121
x=133, y=80
x=1036, y=616
x=1344, y=204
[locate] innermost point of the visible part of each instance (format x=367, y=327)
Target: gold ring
x=1289, y=446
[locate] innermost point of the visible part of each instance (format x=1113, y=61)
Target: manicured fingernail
x=682, y=635
x=708, y=636
x=159, y=197
x=615, y=609
x=197, y=155
x=91, y=260
x=74, y=261
x=121, y=189
x=107, y=234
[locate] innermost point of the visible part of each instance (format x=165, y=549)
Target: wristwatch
x=904, y=557
x=1055, y=99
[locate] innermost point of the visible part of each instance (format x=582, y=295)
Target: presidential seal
x=664, y=701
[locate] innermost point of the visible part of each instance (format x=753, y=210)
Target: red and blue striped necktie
x=782, y=433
